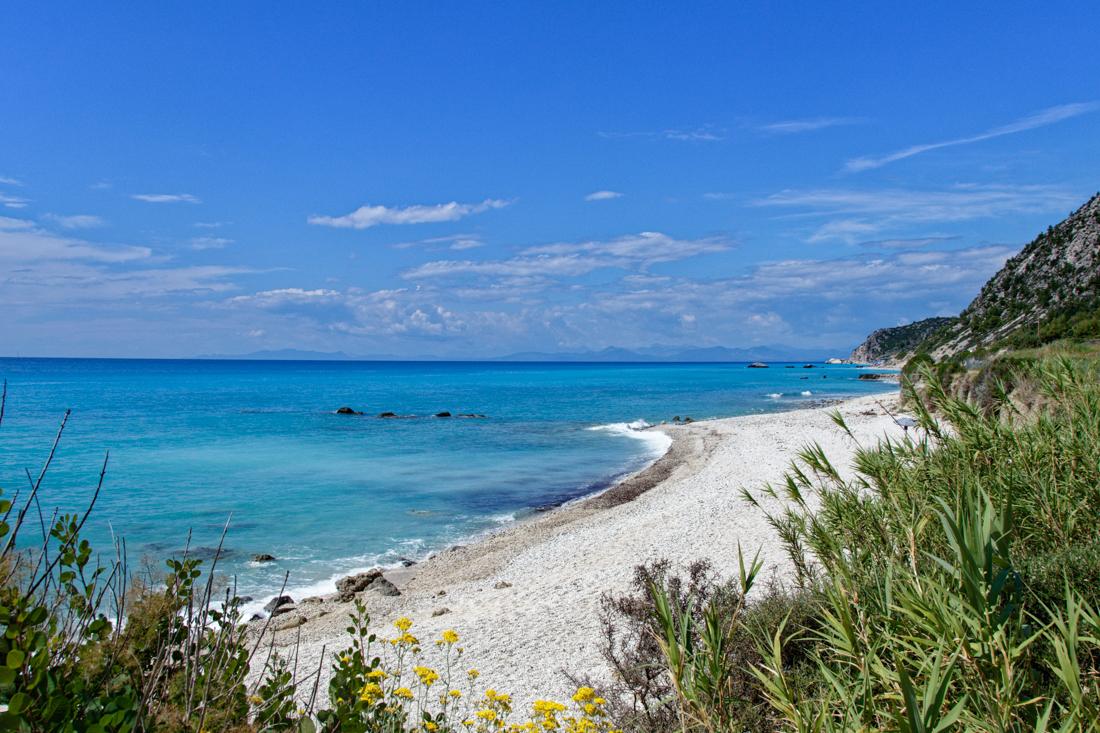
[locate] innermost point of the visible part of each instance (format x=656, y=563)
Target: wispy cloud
x=1042, y=118
x=22, y=243
x=573, y=259
x=855, y=215
x=210, y=224
x=602, y=196
x=167, y=198
x=13, y=202
x=455, y=242
x=705, y=133
x=791, y=127
x=75, y=221
x=203, y=243
x=906, y=243
x=9, y=181
x=369, y=216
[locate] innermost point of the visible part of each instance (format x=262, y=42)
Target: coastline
x=526, y=597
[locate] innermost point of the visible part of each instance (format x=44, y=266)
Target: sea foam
x=657, y=442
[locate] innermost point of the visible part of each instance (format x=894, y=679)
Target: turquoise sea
x=195, y=443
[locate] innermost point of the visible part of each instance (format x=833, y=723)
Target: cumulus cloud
x=1042, y=118
x=369, y=216
x=166, y=198
x=602, y=196
x=75, y=221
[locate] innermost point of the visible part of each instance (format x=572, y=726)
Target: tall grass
x=955, y=577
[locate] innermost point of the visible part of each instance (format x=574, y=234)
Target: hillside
x=1049, y=291
x=897, y=344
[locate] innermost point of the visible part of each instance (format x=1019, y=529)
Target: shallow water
x=194, y=444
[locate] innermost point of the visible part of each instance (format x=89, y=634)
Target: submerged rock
x=387, y=414
x=477, y=415
x=347, y=411
x=263, y=557
x=276, y=602
x=443, y=414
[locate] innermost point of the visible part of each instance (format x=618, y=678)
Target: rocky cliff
x=896, y=345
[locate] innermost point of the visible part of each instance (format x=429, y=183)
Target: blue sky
x=472, y=179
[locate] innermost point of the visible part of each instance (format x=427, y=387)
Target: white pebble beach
x=526, y=599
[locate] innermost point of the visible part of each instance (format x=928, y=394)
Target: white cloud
x=9, y=224
x=698, y=134
x=210, y=224
x=1042, y=118
x=602, y=196
x=457, y=242
x=203, y=243
x=368, y=216
x=13, y=202
x=101, y=186
x=76, y=221
x=26, y=244
x=167, y=198
x=8, y=181
x=790, y=127
x=860, y=213
x=572, y=259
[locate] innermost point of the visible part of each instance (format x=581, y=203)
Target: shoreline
x=504, y=592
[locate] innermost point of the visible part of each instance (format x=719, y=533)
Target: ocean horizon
x=257, y=444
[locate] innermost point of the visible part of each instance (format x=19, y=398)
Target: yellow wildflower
x=487, y=714
x=450, y=636
x=472, y=674
x=345, y=658
x=403, y=624
x=403, y=692
x=584, y=694
x=255, y=699
x=377, y=674
x=455, y=694
x=427, y=675
x=371, y=692
x=429, y=725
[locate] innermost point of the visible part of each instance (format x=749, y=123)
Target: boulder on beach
x=441, y=611
x=406, y=562
x=758, y=365
x=263, y=557
x=347, y=411
x=276, y=602
x=688, y=419
x=443, y=414
x=283, y=609
x=347, y=587
x=312, y=600
x=501, y=585
x=383, y=587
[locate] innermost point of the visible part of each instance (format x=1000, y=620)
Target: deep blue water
x=194, y=443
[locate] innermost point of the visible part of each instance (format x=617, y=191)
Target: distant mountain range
x=656, y=354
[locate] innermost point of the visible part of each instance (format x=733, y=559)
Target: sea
x=198, y=445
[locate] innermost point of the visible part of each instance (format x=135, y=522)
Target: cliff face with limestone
x=1049, y=291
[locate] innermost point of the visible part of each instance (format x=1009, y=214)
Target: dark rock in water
x=808, y=366
x=406, y=562
x=876, y=375
x=789, y=366
x=263, y=557
x=501, y=585
x=472, y=414
x=688, y=419
x=384, y=587
x=346, y=588
x=387, y=414
x=443, y=414
x=206, y=554
x=758, y=365
x=244, y=599
x=285, y=608
x=347, y=411
x=676, y=419
x=441, y=611
x=276, y=602
x=803, y=377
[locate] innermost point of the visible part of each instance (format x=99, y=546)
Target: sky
x=468, y=180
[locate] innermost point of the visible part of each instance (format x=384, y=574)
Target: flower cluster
x=383, y=684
